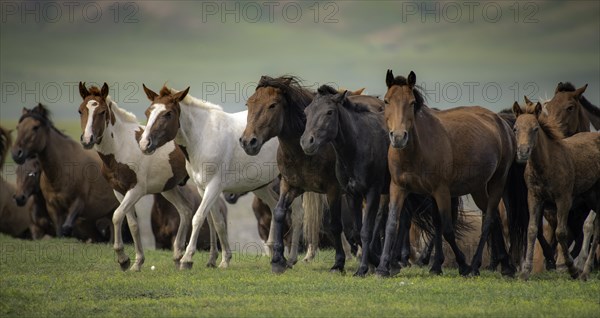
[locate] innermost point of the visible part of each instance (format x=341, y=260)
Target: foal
x=557, y=170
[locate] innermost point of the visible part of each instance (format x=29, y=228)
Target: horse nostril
x=311, y=140
x=253, y=141
x=81, y=138
x=240, y=141
x=405, y=135
x=20, y=153
x=391, y=134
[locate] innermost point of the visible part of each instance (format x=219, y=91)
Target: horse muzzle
x=147, y=146
x=309, y=145
x=251, y=146
x=87, y=144
x=20, y=200
x=19, y=156
x=398, y=140
x=523, y=153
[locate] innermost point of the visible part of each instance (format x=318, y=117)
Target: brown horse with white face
x=557, y=170
x=465, y=150
x=71, y=180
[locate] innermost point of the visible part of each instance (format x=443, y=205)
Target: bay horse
x=14, y=220
x=114, y=133
x=276, y=109
x=76, y=195
x=28, y=186
x=478, y=151
x=207, y=135
x=557, y=170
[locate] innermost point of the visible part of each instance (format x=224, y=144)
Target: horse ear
x=342, y=96
x=389, y=78
x=104, y=90
x=24, y=111
x=557, y=86
x=580, y=90
x=517, y=109
x=83, y=91
x=181, y=95
x=358, y=91
x=527, y=101
x=149, y=93
x=538, y=109
x=412, y=79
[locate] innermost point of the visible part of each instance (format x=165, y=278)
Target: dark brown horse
x=478, y=151
x=571, y=110
x=276, y=109
x=14, y=220
x=76, y=194
x=557, y=170
x=28, y=186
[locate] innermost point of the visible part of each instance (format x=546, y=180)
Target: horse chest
x=120, y=176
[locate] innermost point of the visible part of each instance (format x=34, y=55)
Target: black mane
x=41, y=114
x=297, y=97
x=348, y=104
x=417, y=91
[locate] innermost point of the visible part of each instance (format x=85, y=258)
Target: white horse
x=209, y=137
x=113, y=131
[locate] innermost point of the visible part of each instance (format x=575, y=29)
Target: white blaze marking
x=156, y=110
x=87, y=133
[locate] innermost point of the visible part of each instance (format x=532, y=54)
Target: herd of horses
x=377, y=167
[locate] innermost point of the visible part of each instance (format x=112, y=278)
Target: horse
x=114, y=133
x=207, y=135
x=276, y=109
x=14, y=220
x=478, y=151
x=360, y=142
x=165, y=222
x=557, y=170
x=76, y=196
x=28, y=186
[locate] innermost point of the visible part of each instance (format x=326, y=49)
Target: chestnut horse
x=557, y=170
x=70, y=182
x=478, y=151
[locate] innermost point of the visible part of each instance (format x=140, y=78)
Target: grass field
x=68, y=278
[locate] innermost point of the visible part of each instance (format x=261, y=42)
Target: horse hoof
x=404, y=264
x=337, y=270
x=584, y=276
x=394, y=271
x=277, y=268
x=575, y=274
x=361, y=273
x=223, y=265
x=436, y=271
x=464, y=271
x=135, y=268
x=550, y=266
x=524, y=276
x=177, y=263
x=508, y=272
x=382, y=273
x=211, y=265
x=186, y=265
x=125, y=265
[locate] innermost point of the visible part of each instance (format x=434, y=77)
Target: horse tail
x=5, y=142
x=420, y=207
x=517, y=212
x=314, y=206
x=462, y=225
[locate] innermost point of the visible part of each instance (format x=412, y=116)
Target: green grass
x=67, y=278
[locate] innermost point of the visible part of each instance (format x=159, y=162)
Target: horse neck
x=120, y=135
x=344, y=142
x=541, y=153
x=194, y=125
x=52, y=157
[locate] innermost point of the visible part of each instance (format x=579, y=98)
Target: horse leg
x=143, y=212
x=213, y=250
x=366, y=232
x=590, y=259
x=335, y=207
x=75, y=210
x=546, y=248
x=397, y=197
x=287, y=194
x=220, y=224
x=379, y=222
x=440, y=213
x=426, y=253
x=562, y=213
x=588, y=229
x=481, y=200
x=535, y=214
x=297, y=217
x=184, y=208
x=126, y=208
x=209, y=198
x=267, y=196
x=448, y=229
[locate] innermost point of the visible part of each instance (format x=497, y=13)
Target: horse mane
x=348, y=104
x=551, y=128
x=5, y=142
x=296, y=95
x=417, y=91
x=191, y=100
x=127, y=116
x=593, y=109
x=41, y=114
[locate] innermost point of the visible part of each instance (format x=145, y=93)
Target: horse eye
x=272, y=105
x=536, y=128
x=31, y=174
x=329, y=112
x=168, y=115
x=570, y=108
x=385, y=101
x=35, y=128
x=413, y=103
x=103, y=112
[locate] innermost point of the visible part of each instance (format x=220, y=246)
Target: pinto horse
x=557, y=170
x=207, y=135
x=114, y=133
x=478, y=151
x=70, y=180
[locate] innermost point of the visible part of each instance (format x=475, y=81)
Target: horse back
x=584, y=150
